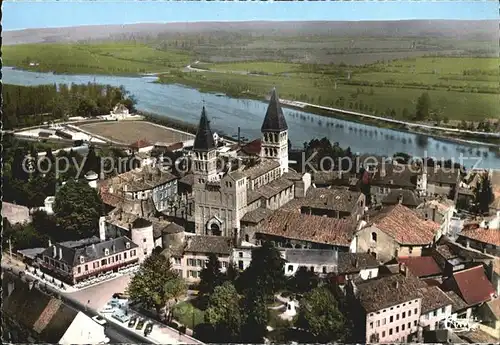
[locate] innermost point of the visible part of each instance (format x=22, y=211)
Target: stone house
x=76, y=261
x=484, y=240
x=440, y=211
x=355, y=266
x=436, y=307
x=396, y=231
x=388, y=308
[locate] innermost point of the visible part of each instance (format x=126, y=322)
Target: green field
x=106, y=58
x=459, y=88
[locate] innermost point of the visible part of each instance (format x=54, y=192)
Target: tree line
x=25, y=106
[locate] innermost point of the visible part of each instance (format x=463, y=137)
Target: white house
x=321, y=261
x=436, y=307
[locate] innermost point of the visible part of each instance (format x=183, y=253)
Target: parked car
x=140, y=324
x=132, y=322
x=148, y=329
x=121, y=316
x=99, y=319
x=108, y=309
x=120, y=295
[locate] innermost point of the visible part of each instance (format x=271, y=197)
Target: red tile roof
x=252, y=148
x=405, y=225
x=310, y=228
x=473, y=285
x=490, y=236
x=421, y=266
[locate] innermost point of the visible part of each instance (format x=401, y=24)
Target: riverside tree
x=423, y=107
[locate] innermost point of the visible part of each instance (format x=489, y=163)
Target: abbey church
x=224, y=195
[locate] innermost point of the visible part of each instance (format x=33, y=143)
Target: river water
x=227, y=114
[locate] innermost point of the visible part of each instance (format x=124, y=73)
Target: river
x=227, y=114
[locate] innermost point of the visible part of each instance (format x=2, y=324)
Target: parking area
x=96, y=296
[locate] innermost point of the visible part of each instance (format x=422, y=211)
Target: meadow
x=117, y=58
x=459, y=88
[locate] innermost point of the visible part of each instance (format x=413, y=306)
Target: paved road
x=115, y=333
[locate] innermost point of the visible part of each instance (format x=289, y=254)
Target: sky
x=30, y=14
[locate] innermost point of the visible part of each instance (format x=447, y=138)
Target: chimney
x=50, y=243
x=55, y=251
x=400, y=198
x=113, y=247
x=403, y=269
x=60, y=253
x=396, y=284
x=188, y=241
x=30, y=284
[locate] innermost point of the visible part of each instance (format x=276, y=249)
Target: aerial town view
x=250, y=172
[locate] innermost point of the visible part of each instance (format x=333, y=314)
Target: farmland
x=128, y=132
x=118, y=58
x=459, y=88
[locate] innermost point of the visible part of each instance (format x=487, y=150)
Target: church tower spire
x=274, y=142
x=204, y=150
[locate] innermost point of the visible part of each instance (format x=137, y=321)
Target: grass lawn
x=99, y=58
x=188, y=315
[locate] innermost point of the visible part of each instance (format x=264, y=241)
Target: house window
x=383, y=334
x=106, y=251
x=378, y=323
x=391, y=318
x=82, y=259
x=397, y=317
x=86, y=268
x=404, y=315
x=104, y=262
x=383, y=321
x=145, y=252
x=410, y=250
x=290, y=268
x=409, y=325
x=324, y=269
x=240, y=265
x=374, y=237
x=247, y=238
x=403, y=327
x=434, y=313
x=371, y=325
x=442, y=310
x=397, y=329
x=125, y=256
x=79, y=270
x=224, y=264
x=416, y=311
x=144, y=240
x=241, y=254
x=127, y=245
x=415, y=323
x=409, y=313
x=390, y=331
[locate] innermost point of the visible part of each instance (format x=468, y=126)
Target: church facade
x=222, y=198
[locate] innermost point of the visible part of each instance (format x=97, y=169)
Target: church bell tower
x=204, y=151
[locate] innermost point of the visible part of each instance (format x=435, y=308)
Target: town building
x=392, y=176
x=388, y=308
x=320, y=261
x=441, y=211
x=31, y=315
x=356, y=266
x=436, y=307
x=396, y=231
x=442, y=181
x=484, y=240
x=405, y=197
x=190, y=255
x=489, y=314
x=142, y=184
x=76, y=261
x=423, y=267
x=224, y=194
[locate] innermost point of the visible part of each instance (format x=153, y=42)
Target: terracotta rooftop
x=209, y=244
x=409, y=198
x=472, y=285
x=490, y=236
x=494, y=306
x=257, y=215
x=386, y=291
x=457, y=302
x=326, y=177
x=451, y=250
x=355, y=262
x=187, y=179
x=433, y=298
x=310, y=228
x=292, y=175
x=421, y=266
x=269, y=190
x=252, y=148
x=405, y=225
x=337, y=199
x=396, y=175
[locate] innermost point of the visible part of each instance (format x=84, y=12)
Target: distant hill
x=484, y=30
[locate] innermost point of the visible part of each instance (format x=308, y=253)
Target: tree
x=304, y=280
x=155, y=285
x=319, y=313
x=266, y=271
x=423, y=107
x=78, y=208
x=255, y=317
x=210, y=276
x=484, y=195
x=223, y=313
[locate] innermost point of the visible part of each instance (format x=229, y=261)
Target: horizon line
x=253, y=21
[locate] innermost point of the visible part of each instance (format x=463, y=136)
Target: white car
x=108, y=309
x=99, y=319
